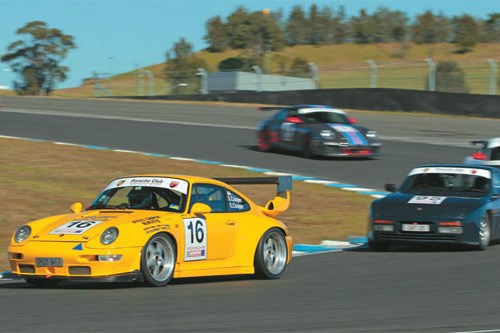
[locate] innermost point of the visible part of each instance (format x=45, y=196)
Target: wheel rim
x=264, y=143
x=275, y=253
x=484, y=231
x=160, y=259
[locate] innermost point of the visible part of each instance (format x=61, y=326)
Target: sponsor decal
x=169, y=183
x=234, y=201
x=427, y=200
x=195, y=239
x=75, y=227
x=79, y=247
x=353, y=136
x=452, y=170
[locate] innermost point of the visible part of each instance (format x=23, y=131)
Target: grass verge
x=41, y=179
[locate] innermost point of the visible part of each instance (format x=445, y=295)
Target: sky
x=116, y=36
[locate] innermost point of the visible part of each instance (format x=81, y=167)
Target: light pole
x=110, y=72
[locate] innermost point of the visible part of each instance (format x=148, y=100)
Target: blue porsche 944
x=439, y=203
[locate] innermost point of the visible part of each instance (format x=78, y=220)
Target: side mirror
x=200, y=208
x=76, y=207
x=295, y=120
x=390, y=188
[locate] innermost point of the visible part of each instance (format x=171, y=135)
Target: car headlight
x=22, y=233
x=371, y=134
x=109, y=236
x=327, y=134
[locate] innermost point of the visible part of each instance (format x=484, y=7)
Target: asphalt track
x=408, y=290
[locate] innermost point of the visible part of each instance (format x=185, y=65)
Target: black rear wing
x=284, y=183
x=270, y=108
x=479, y=143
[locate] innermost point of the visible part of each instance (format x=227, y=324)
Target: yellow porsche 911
x=153, y=228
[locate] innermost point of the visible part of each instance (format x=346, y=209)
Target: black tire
x=158, y=260
x=271, y=255
x=264, y=141
x=484, y=233
x=307, y=150
x=379, y=246
x=42, y=283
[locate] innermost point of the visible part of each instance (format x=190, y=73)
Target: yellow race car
x=153, y=228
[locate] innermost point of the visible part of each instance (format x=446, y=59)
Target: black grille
x=79, y=270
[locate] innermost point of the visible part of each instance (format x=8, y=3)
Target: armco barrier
x=378, y=99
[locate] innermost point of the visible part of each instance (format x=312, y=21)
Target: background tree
x=216, y=36
x=465, y=32
x=361, y=28
x=450, y=78
x=299, y=68
x=430, y=28
x=183, y=66
x=491, y=29
x=37, y=58
x=294, y=29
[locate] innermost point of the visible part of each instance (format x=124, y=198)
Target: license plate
x=416, y=227
x=44, y=262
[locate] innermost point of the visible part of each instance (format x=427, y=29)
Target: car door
x=214, y=232
x=289, y=128
x=496, y=204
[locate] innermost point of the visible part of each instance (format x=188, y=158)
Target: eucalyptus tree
x=36, y=58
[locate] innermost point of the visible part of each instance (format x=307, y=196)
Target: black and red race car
x=316, y=130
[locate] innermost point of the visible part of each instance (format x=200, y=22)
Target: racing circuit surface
x=408, y=290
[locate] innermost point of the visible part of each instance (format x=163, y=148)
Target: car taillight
x=383, y=225
x=382, y=221
x=453, y=227
x=479, y=156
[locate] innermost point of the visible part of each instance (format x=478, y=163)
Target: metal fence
x=479, y=77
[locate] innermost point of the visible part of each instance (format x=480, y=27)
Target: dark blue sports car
x=316, y=130
x=444, y=203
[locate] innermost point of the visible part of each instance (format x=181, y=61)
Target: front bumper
x=78, y=262
x=335, y=150
x=469, y=235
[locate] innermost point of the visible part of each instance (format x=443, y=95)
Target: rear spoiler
x=478, y=142
x=270, y=108
x=281, y=201
x=283, y=183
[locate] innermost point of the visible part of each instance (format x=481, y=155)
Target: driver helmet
x=140, y=197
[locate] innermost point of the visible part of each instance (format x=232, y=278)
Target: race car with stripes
x=316, y=130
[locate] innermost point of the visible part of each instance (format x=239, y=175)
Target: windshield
x=324, y=117
x=149, y=193
x=447, y=184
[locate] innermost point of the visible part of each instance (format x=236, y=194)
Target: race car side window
x=236, y=203
x=211, y=195
x=495, y=154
